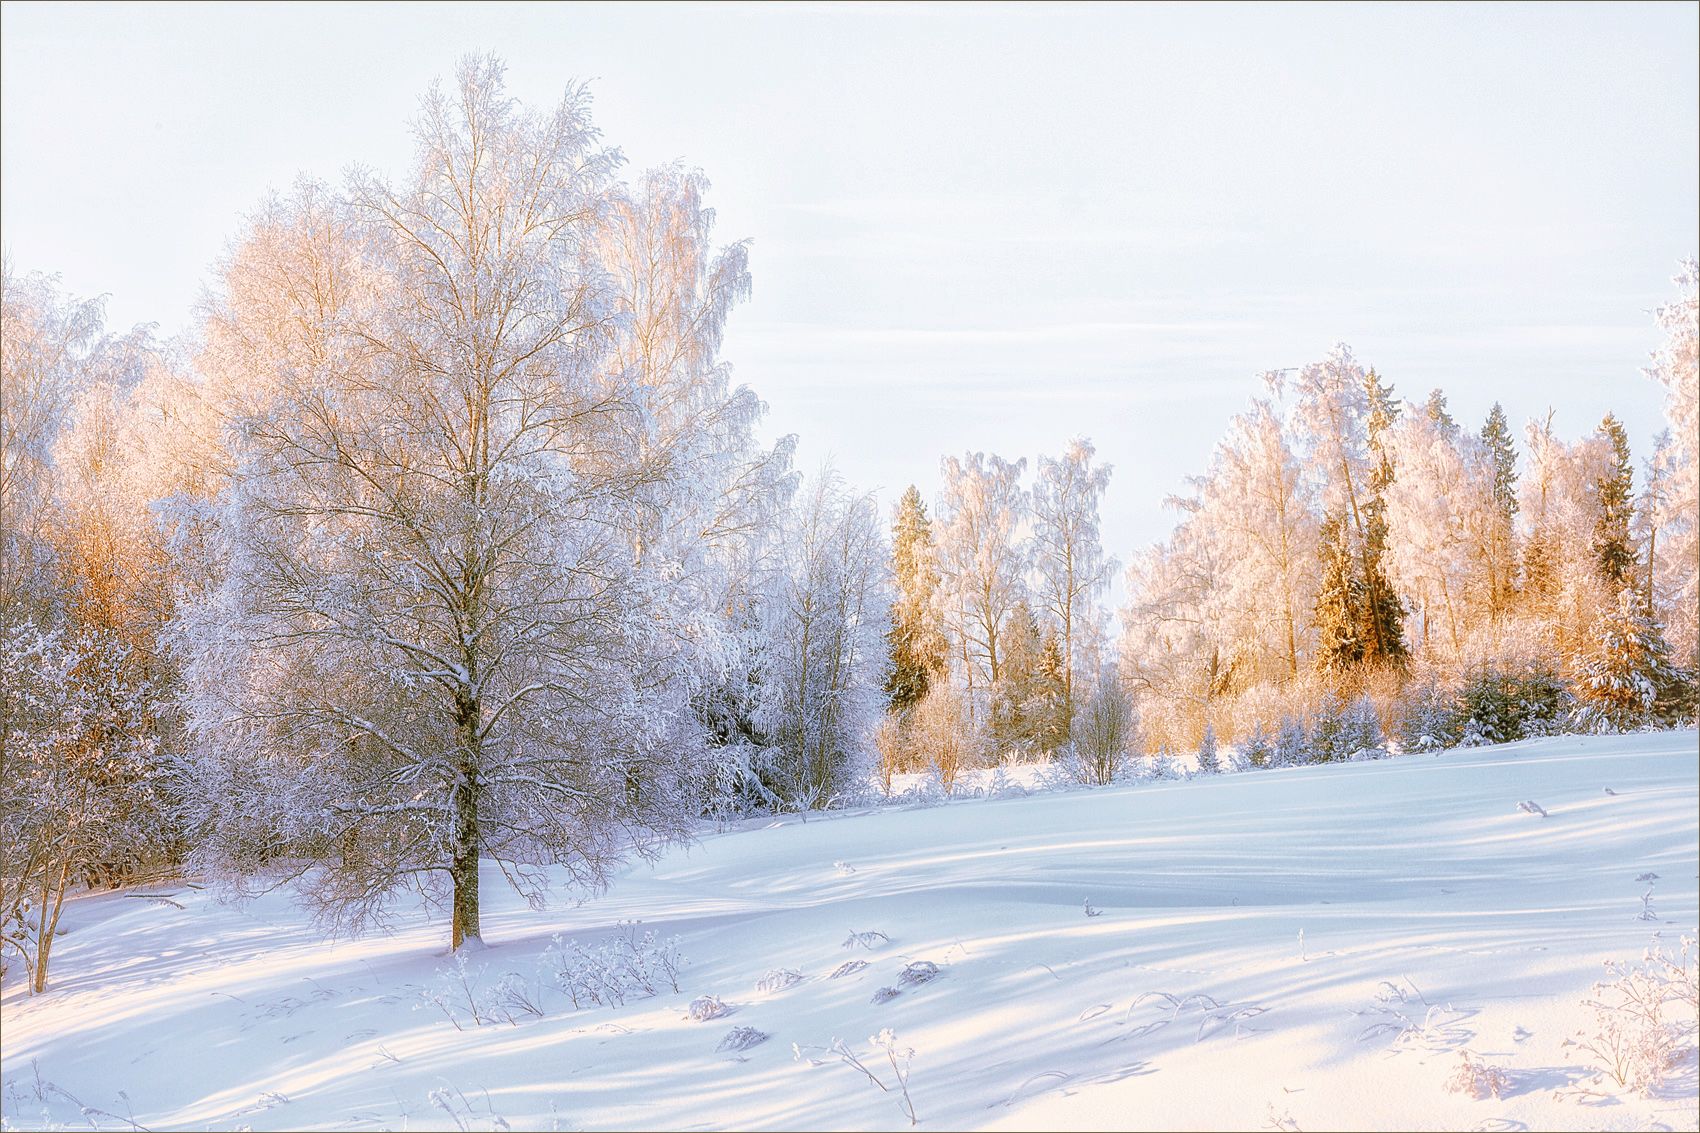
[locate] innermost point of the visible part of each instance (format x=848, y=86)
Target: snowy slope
x=1423, y=895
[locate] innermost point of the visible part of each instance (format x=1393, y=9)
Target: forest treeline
x=445, y=535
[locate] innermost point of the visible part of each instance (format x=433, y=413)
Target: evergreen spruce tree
x=1327, y=732
x=1382, y=617
x=1339, y=600
x=1018, y=698
x=1615, y=492
x=1437, y=412
x=1208, y=761
x=1428, y=719
x=1496, y=435
x=1540, y=571
x=1360, y=731
x=1626, y=679
x=1291, y=747
x=1051, y=696
x=1257, y=751
x=916, y=638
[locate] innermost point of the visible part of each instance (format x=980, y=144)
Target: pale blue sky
x=974, y=227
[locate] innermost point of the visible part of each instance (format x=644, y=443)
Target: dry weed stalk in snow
x=871, y=939
x=778, y=979
x=886, y=1040
x=1213, y=1014
x=45, y=1090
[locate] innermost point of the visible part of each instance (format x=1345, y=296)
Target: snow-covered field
x=1309, y=948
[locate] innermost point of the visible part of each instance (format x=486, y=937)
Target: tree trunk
x=463, y=869
x=47, y=925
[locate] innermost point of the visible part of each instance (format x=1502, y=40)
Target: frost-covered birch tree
x=86, y=591
x=1562, y=589
x=982, y=564
x=826, y=663
x=710, y=500
x=1068, y=559
x=440, y=637
x=1676, y=568
x=1256, y=504
x=1340, y=413
x=1442, y=522
x=46, y=340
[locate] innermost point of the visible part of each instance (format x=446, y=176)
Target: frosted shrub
x=461, y=995
x=778, y=979
x=1625, y=678
x=515, y=996
x=741, y=1038
x=1105, y=735
x=456, y=992
x=1163, y=767
x=1328, y=740
x=893, y=748
x=1645, y=1018
x=919, y=972
x=943, y=739
x=706, y=1007
x=459, y=1109
x=625, y=966
x=1481, y=1080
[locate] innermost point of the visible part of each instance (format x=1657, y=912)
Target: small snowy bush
x=778, y=979
x=1363, y=734
x=741, y=1038
x=1481, y=1080
x=706, y=1007
x=1163, y=767
x=1346, y=731
x=919, y=972
x=626, y=966
x=1646, y=1018
x=1625, y=678
x=1105, y=735
x=944, y=739
x=457, y=992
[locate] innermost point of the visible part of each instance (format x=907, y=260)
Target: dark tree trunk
x=463, y=870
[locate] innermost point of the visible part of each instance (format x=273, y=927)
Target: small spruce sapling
x=1209, y=763
x=1257, y=751
x=1291, y=747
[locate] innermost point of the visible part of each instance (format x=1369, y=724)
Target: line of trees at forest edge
x=445, y=536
